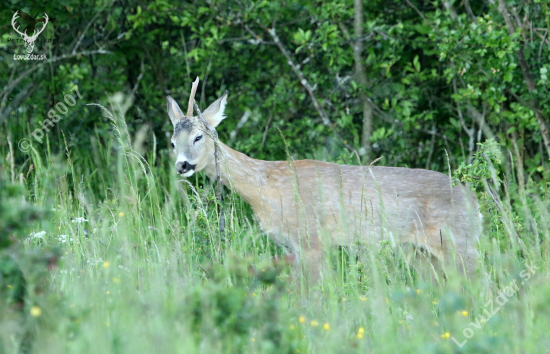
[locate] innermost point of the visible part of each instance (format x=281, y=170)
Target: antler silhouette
x=29, y=40
x=13, y=23
x=34, y=34
x=43, y=25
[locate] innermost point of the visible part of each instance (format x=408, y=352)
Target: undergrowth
x=112, y=252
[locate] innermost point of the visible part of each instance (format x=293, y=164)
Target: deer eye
x=198, y=138
x=173, y=146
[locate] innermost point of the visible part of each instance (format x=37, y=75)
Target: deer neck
x=240, y=173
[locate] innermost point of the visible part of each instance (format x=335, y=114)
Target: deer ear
x=174, y=111
x=215, y=113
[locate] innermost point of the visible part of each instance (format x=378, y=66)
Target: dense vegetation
x=103, y=248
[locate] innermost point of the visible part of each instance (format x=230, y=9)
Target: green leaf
x=423, y=29
x=455, y=123
x=416, y=63
x=214, y=31
x=508, y=76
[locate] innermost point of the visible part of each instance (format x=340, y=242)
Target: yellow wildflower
x=36, y=311
x=314, y=323
x=418, y=291
x=301, y=319
x=106, y=264
x=121, y=214
x=326, y=327
x=446, y=335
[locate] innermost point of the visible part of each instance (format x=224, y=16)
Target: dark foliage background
x=425, y=78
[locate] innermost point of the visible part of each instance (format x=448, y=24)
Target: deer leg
x=312, y=266
x=307, y=266
x=428, y=266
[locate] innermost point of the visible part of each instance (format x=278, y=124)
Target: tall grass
x=144, y=269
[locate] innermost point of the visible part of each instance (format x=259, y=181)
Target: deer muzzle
x=185, y=168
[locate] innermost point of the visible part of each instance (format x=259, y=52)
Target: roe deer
x=307, y=205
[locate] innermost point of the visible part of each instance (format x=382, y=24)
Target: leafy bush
x=24, y=272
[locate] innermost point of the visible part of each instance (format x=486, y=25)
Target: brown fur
x=308, y=205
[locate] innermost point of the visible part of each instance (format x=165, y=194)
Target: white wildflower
x=94, y=262
x=80, y=220
x=64, y=238
x=40, y=234
x=67, y=271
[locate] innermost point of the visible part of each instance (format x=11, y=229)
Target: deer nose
x=184, y=166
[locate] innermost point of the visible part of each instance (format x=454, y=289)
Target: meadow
x=143, y=269
x=104, y=248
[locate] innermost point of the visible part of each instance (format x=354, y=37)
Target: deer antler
x=13, y=23
x=34, y=36
x=192, y=98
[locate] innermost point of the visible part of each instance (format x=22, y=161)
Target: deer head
x=192, y=141
x=29, y=40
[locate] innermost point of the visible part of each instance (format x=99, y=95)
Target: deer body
x=309, y=205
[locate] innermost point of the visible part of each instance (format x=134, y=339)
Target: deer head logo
x=29, y=40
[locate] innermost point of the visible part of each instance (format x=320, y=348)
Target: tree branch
x=22, y=96
x=469, y=11
x=88, y=26
x=14, y=83
x=449, y=7
x=415, y=9
x=530, y=82
x=361, y=77
x=298, y=72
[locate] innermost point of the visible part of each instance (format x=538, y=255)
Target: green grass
x=148, y=272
